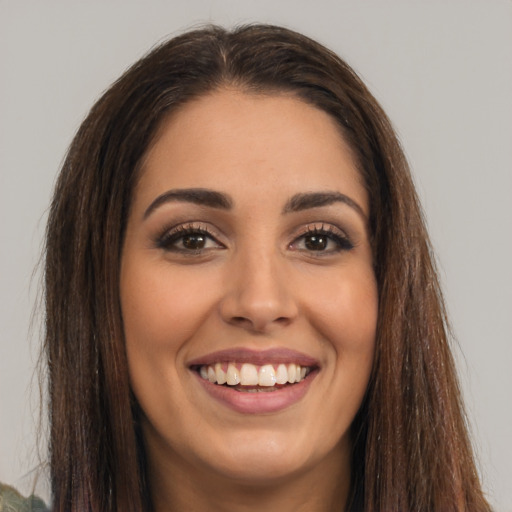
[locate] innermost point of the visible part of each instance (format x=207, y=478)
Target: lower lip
x=259, y=402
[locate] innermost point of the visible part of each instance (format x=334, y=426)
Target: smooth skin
x=255, y=272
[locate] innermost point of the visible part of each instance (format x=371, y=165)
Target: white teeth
x=248, y=375
x=220, y=374
x=267, y=376
x=282, y=374
x=232, y=375
x=211, y=374
x=252, y=375
x=291, y=373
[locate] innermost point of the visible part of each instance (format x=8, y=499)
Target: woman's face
x=247, y=259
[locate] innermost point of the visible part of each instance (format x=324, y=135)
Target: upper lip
x=256, y=357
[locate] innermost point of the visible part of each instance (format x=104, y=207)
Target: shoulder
x=12, y=501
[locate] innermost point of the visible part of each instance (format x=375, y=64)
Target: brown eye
x=194, y=242
x=322, y=241
x=316, y=242
x=188, y=239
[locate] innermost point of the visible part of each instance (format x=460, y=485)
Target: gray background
x=441, y=69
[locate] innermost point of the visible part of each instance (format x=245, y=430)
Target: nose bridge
x=257, y=293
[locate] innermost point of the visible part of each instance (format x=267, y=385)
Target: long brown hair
x=411, y=448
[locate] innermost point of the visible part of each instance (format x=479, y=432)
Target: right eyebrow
x=304, y=201
x=201, y=196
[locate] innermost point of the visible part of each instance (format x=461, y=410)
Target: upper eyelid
x=221, y=236
x=324, y=228
x=337, y=234
x=169, y=240
x=320, y=227
x=210, y=229
x=183, y=228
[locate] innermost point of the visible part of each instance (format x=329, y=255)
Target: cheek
x=346, y=309
x=161, y=306
x=346, y=317
x=162, y=309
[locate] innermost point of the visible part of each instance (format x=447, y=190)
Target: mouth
x=256, y=381
x=248, y=377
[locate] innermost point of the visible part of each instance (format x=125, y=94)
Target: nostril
x=282, y=321
x=241, y=321
x=258, y=325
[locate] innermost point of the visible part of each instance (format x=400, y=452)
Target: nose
x=258, y=296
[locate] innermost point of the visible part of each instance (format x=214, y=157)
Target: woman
x=236, y=216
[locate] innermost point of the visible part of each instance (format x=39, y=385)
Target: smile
x=247, y=374
x=255, y=381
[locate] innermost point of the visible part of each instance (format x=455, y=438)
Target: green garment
x=12, y=501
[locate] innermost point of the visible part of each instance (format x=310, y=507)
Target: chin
x=261, y=469
x=269, y=458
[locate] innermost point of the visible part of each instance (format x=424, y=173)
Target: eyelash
x=341, y=240
x=169, y=239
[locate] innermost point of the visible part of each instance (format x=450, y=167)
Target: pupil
x=193, y=242
x=316, y=242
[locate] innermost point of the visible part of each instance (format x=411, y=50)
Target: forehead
x=250, y=143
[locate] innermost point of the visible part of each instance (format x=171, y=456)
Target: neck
x=323, y=487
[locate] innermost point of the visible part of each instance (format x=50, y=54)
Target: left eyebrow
x=200, y=196
x=307, y=200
